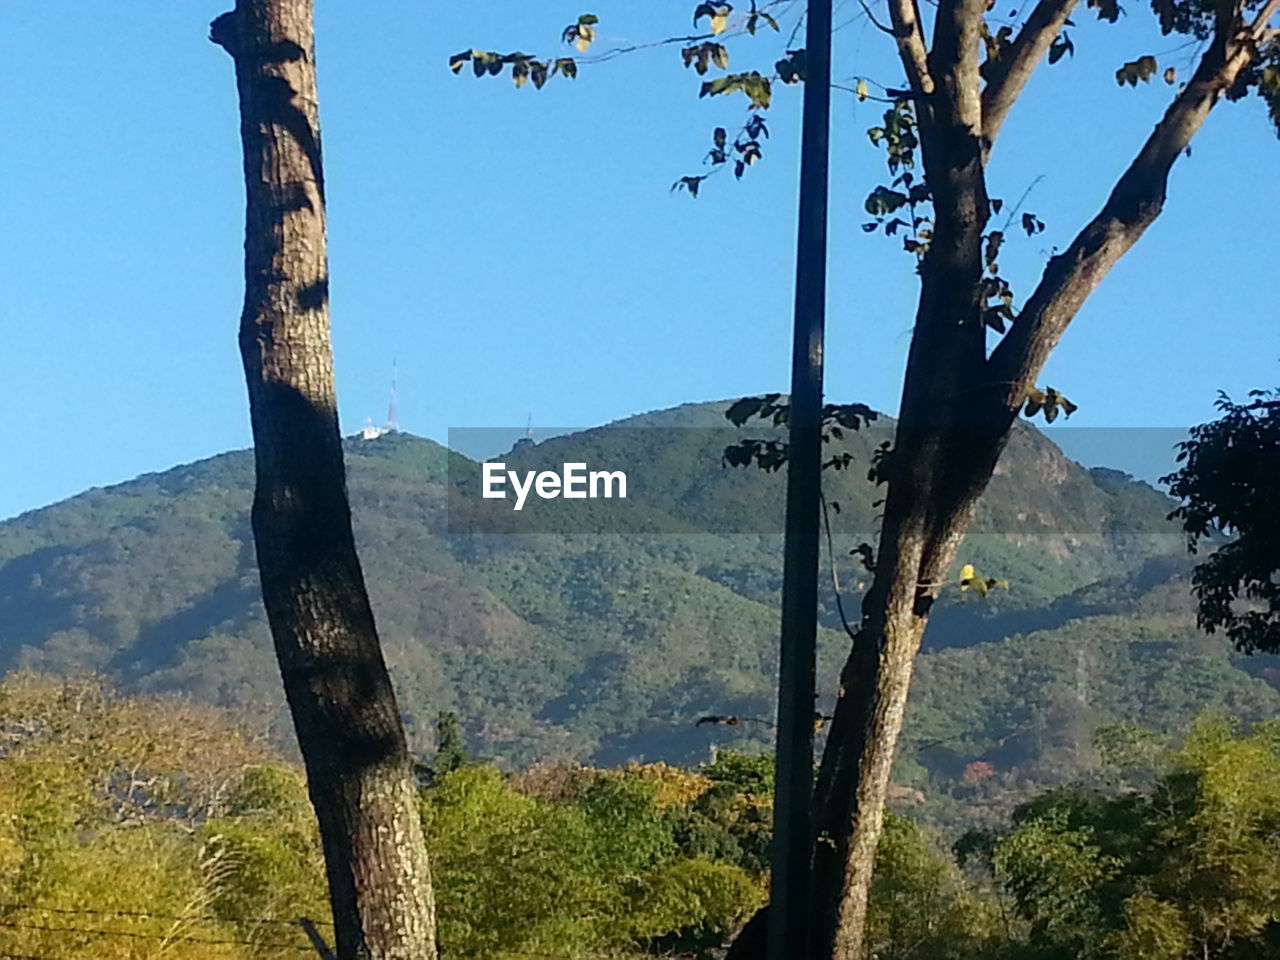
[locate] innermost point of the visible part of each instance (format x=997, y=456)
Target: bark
x=335, y=680
x=959, y=406
x=957, y=411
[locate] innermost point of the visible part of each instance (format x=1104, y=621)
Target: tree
x=1227, y=485
x=960, y=397
x=960, y=400
x=335, y=680
x=1186, y=868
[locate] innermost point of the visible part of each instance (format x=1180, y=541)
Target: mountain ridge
x=608, y=646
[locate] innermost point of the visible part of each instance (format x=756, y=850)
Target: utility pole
x=791, y=896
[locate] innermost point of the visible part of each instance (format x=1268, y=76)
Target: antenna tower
x=392, y=426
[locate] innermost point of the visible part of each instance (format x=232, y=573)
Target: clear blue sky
x=517, y=251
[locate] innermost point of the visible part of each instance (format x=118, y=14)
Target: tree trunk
x=958, y=409
x=959, y=404
x=335, y=680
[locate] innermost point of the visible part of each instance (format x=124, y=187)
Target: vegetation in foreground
x=135, y=827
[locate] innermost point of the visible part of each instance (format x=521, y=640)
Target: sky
x=518, y=253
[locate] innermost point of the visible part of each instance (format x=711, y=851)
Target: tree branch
x=953, y=62
x=1014, y=69
x=905, y=17
x=1134, y=204
x=872, y=17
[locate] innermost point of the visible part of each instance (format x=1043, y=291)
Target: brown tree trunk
x=959, y=404
x=958, y=409
x=336, y=683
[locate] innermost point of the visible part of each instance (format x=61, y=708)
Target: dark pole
x=792, y=815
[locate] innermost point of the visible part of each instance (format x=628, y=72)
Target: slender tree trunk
x=336, y=683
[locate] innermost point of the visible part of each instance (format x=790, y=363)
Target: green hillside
x=603, y=630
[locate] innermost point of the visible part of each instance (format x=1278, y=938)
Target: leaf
x=967, y=573
x=994, y=241
x=861, y=89
x=882, y=201
x=588, y=20
x=1032, y=224
x=1060, y=47
x=791, y=68
x=688, y=183
x=1108, y=10
x=755, y=127
x=567, y=66
x=720, y=56
x=740, y=411
x=458, y=59
x=716, y=13
x=1170, y=76
x=720, y=137
x=1141, y=69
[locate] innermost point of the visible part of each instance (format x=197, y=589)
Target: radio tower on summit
x=372, y=432
x=392, y=425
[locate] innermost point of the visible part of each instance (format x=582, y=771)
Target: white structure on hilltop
x=372, y=432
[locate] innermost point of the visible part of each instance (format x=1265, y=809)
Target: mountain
x=603, y=629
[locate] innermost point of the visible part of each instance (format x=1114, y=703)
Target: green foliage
x=922, y=907
x=605, y=648
x=1227, y=485
x=451, y=755
x=150, y=824
x=1187, y=869
x=594, y=867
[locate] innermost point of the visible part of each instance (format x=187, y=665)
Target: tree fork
x=335, y=680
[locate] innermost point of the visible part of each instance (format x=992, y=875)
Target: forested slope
x=605, y=635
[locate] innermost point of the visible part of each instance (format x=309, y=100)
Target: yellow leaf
x=967, y=572
x=719, y=22
x=862, y=90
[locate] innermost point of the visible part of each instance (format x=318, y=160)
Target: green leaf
x=883, y=201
